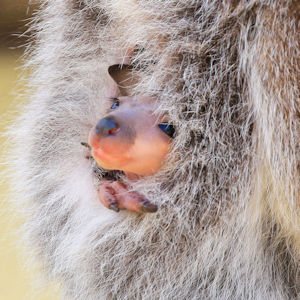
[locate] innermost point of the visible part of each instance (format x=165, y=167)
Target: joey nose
x=107, y=126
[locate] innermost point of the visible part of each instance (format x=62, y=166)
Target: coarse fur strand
x=227, y=75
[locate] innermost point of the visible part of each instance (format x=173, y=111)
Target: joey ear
x=123, y=76
x=117, y=71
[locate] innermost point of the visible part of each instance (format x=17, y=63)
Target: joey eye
x=167, y=129
x=116, y=104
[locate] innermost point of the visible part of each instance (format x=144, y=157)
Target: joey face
x=130, y=137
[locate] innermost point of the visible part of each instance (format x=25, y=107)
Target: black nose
x=106, y=126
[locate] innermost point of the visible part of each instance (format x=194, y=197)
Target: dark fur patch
x=91, y=14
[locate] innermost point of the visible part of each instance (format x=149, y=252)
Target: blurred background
x=17, y=282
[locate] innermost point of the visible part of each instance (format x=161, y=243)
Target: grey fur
x=227, y=74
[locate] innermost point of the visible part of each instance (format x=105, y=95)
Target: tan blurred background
x=16, y=281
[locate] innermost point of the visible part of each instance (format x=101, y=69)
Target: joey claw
x=114, y=206
x=86, y=145
x=147, y=206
